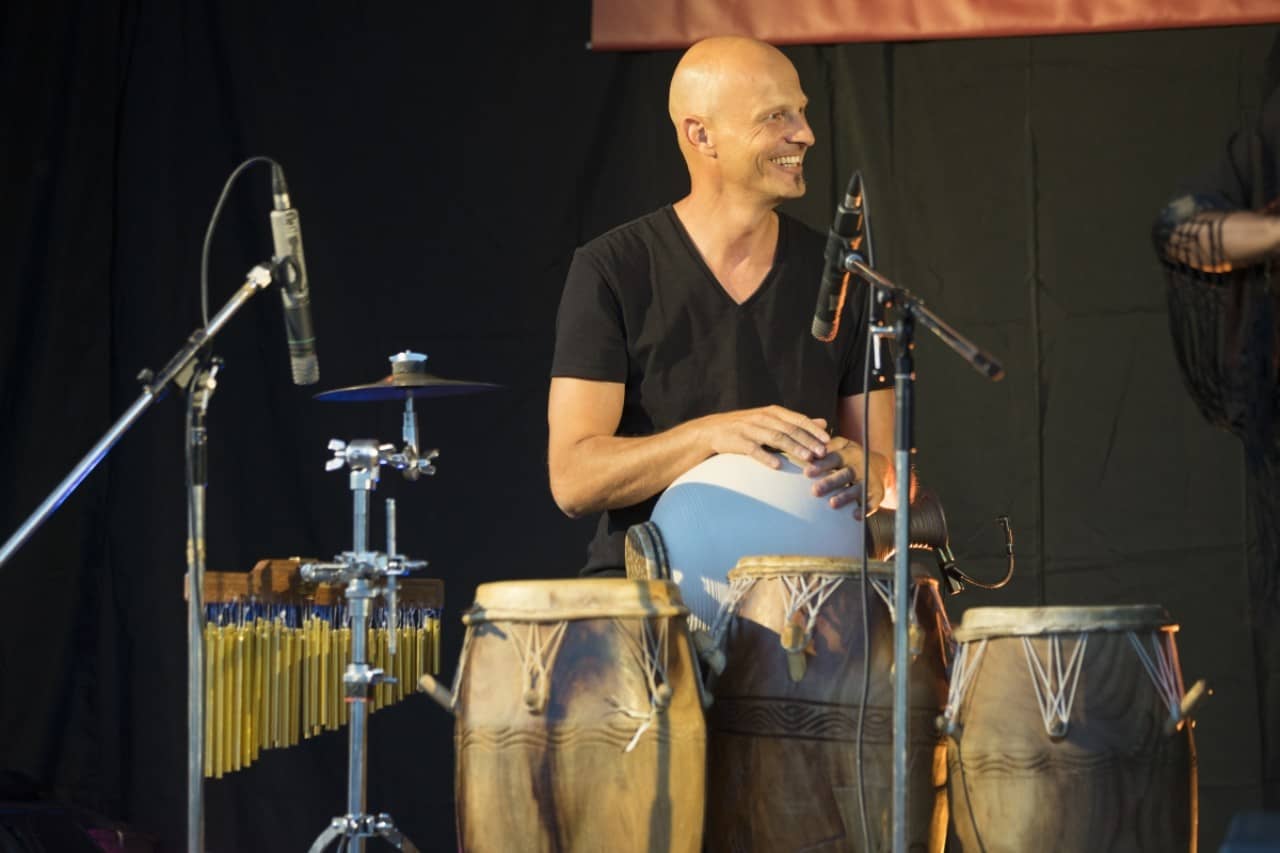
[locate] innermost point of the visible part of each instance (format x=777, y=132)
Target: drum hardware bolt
x=1058, y=729
x=662, y=696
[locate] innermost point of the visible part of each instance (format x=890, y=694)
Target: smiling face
x=762, y=134
x=740, y=110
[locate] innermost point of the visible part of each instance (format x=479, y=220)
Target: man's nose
x=802, y=133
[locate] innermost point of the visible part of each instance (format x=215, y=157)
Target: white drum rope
x=946, y=639
x=809, y=593
x=964, y=669
x=462, y=665
x=537, y=656
x=738, y=587
x=1055, y=681
x=1161, y=663
x=884, y=588
x=652, y=650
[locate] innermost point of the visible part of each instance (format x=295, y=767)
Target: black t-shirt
x=641, y=307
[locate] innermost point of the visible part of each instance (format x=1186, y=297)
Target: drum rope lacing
x=462, y=665
x=652, y=649
x=537, y=656
x=1162, y=665
x=1055, y=681
x=738, y=587
x=963, y=671
x=810, y=594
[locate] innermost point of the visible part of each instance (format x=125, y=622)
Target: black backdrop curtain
x=444, y=170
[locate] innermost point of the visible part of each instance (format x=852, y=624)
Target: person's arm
x=1218, y=241
x=591, y=469
x=839, y=474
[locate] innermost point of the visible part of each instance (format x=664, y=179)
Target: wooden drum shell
x=782, y=759
x=1116, y=781
x=560, y=778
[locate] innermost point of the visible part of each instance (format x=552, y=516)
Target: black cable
x=865, y=580
x=208, y=233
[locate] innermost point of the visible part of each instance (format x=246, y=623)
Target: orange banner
x=665, y=24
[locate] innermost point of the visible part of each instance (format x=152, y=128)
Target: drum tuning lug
x=946, y=726
x=437, y=691
x=915, y=640
x=1192, y=698
x=534, y=701
x=796, y=665
x=793, y=638
x=662, y=696
x=1058, y=729
x=708, y=652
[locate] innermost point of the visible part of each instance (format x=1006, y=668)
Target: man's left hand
x=840, y=478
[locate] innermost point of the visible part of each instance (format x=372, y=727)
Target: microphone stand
x=911, y=310
x=178, y=369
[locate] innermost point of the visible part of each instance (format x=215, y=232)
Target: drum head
x=986, y=622
x=774, y=565
x=585, y=598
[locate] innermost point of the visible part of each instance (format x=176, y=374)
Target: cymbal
x=408, y=379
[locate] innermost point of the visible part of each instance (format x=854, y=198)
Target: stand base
x=363, y=826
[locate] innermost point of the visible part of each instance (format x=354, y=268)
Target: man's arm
x=591, y=469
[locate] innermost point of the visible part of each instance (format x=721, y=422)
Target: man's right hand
x=758, y=433
x=592, y=469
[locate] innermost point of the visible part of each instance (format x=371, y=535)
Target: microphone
x=290, y=269
x=847, y=234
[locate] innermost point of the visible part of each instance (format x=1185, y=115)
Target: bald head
x=739, y=116
x=709, y=72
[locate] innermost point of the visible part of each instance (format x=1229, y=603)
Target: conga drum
x=1067, y=732
x=580, y=722
x=783, y=762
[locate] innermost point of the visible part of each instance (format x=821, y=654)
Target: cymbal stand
x=361, y=570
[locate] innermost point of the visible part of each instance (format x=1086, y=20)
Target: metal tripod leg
x=363, y=826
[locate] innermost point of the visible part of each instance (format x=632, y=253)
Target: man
x=1219, y=242
x=684, y=334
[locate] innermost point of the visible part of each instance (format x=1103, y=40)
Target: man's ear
x=697, y=134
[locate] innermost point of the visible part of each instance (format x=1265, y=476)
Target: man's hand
x=839, y=477
x=757, y=432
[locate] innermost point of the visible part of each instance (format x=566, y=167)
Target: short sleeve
x=590, y=329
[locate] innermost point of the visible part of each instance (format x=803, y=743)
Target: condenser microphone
x=291, y=273
x=846, y=237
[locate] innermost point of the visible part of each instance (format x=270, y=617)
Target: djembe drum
x=782, y=760
x=579, y=719
x=729, y=507
x=1068, y=732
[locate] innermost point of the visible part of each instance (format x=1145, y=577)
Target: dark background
x=445, y=165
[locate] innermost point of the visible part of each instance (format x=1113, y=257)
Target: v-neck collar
x=710, y=277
